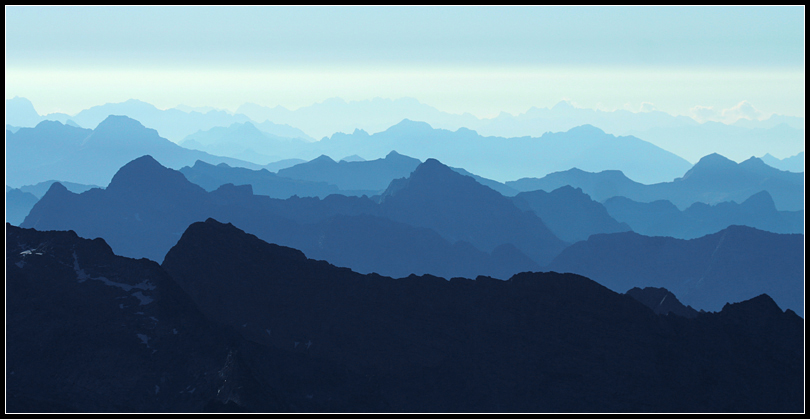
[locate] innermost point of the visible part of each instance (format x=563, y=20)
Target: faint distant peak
x=586, y=129
x=715, y=160
x=408, y=125
x=563, y=105
x=118, y=122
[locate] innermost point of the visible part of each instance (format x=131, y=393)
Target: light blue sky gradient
x=478, y=59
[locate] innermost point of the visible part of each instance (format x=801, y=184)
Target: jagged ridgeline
x=229, y=322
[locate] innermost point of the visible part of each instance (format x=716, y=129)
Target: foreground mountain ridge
x=259, y=327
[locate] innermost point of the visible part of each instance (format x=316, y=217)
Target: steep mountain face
x=714, y=179
x=55, y=151
x=459, y=208
x=263, y=182
x=537, y=342
x=662, y=218
x=146, y=207
x=372, y=175
x=735, y=264
x=569, y=213
x=88, y=331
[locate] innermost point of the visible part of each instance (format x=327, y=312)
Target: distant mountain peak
x=586, y=129
x=146, y=173
x=407, y=124
x=323, y=158
x=563, y=105
x=116, y=123
x=761, y=201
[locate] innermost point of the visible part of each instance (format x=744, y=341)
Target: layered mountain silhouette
x=246, y=142
x=262, y=181
x=790, y=164
x=499, y=158
x=371, y=175
x=569, y=213
x=52, y=150
x=459, y=208
x=734, y=264
x=147, y=206
x=18, y=205
x=712, y=180
x=554, y=342
x=229, y=323
x=662, y=218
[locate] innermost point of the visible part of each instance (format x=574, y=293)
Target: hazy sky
x=696, y=61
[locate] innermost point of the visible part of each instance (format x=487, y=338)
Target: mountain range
x=734, y=264
x=569, y=213
x=146, y=206
x=662, y=218
x=52, y=150
x=229, y=323
x=714, y=179
x=779, y=134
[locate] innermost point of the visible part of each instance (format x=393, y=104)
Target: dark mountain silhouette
x=734, y=264
x=371, y=175
x=459, y=208
x=662, y=218
x=499, y=158
x=230, y=323
x=263, y=182
x=569, y=213
x=661, y=301
x=90, y=331
x=56, y=151
x=712, y=180
x=537, y=342
x=18, y=205
x=147, y=206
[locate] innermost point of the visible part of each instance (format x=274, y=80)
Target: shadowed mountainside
x=734, y=264
x=55, y=151
x=712, y=180
x=147, y=206
x=569, y=213
x=662, y=218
